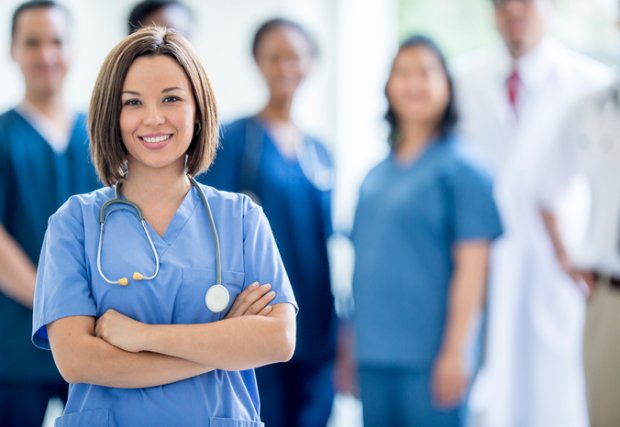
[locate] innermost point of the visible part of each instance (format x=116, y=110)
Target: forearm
x=17, y=272
x=84, y=358
x=554, y=235
x=231, y=344
x=466, y=296
x=465, y=303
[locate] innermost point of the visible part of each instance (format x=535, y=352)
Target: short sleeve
x=62, y=286
x=262, y=260
x=474, y=214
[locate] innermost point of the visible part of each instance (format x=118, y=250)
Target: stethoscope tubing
x=117, y=200
x=205, y=202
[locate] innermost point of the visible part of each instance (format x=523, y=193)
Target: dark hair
x=450, y=116
x=34, y=4
x=106, y=144
x=143, y=9
x=276, y=23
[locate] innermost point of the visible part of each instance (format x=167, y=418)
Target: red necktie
x=514, y=85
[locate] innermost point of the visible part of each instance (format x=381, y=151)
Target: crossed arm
x=117, y=351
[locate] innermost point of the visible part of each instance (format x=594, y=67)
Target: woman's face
x=283, y=56
x=418, y=88
x=158, y=113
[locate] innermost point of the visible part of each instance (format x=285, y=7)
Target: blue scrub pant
x=24, y=405
x=402, y=398
x=295, y=394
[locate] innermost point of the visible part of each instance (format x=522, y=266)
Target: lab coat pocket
x=229, y=422
x=190, y=306
x=92, y=418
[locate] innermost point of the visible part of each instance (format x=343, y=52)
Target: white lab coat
x=532, y=374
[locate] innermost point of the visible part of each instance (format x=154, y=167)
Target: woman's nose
x=153, y=116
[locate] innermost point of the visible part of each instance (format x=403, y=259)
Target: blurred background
x=343, y=99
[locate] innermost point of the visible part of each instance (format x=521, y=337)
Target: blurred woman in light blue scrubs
x=423, y=227
x=126, y=306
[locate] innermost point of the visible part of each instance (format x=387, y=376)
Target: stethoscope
x=313, y=166
x=216, y=297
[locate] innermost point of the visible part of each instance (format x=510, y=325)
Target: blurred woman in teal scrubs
x=424, y=223
x=289, y=172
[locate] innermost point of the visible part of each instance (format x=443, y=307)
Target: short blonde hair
x=106, y=146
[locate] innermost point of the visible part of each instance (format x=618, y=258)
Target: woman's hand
x=449, y=380
x=121, y=331
x=253, y=300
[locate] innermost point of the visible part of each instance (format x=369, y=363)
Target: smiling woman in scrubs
x=422, y=231
x=151, y=352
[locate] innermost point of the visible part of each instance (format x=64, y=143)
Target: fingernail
x=268, y=308
x=253, y=285
x=267, y=286
x=272, y=294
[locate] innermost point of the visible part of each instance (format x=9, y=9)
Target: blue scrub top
x=68, y=284
x=34, y=182
x=300, y=214
x=407, y=222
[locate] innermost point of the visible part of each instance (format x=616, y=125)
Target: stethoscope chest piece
x=217, y=298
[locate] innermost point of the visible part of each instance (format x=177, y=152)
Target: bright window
x=589, y=26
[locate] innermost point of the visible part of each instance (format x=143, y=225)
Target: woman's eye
x=131, y=102
x=171, y=99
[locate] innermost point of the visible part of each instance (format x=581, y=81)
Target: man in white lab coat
x=587, y=155
x=512, y=100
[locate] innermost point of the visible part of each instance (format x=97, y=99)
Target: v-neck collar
x=176, y=225
x=429, y=147
x=57, y=141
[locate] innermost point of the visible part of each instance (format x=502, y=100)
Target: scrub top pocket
x=228, y=422
x=92, y=418
x=190, y=306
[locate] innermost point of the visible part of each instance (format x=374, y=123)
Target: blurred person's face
x=40, y=48
x=418, y=89
x=283, y=57
x=521, y=23
x=171, y=17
